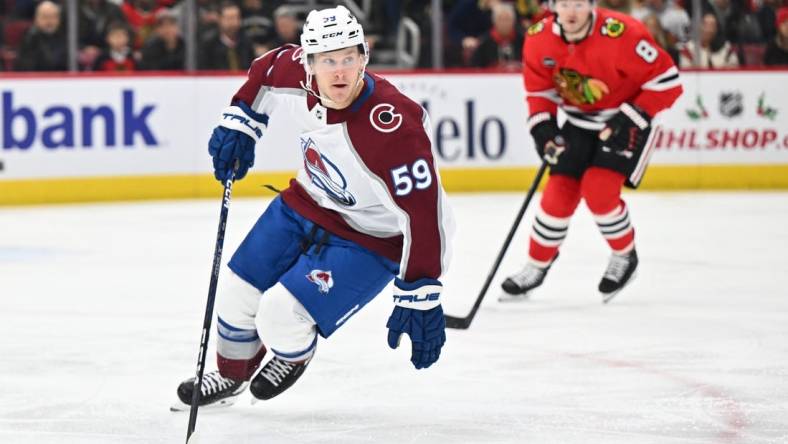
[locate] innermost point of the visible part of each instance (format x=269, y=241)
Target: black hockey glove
x=627, y=131
x=549, y=142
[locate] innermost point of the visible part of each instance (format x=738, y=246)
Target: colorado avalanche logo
x=329, y=180
x=322, y=279
x=384, y=119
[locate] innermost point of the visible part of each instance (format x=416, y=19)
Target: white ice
x=101, y=309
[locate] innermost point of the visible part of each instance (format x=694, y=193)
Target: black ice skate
x=620, y=270
x=530, y=277
x=216, y=390
x=275, y=377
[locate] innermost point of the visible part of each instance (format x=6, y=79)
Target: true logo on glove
x=414, y=298
x=244, y=121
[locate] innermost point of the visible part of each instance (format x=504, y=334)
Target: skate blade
x=508, y=297
x=608, y=297
x=180, y=406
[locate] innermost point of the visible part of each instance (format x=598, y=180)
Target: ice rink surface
x=101, y=310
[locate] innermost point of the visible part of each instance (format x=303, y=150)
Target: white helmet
x=331, y=29
x=328, y=30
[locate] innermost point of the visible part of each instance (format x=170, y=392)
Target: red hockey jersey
x=617, y=62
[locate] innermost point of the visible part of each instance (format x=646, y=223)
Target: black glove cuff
x=544, y=132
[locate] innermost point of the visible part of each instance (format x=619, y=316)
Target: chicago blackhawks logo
x=322, y=279
x=325, y=175
x=384, y=119
x=578, y=89
x=536, y=28
x=612, y=27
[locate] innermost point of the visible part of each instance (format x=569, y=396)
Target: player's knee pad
x=285, y=326
x=237, y=301
x=601, y=189
x=561, y=196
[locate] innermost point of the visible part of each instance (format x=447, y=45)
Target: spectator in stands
x=164, y=50
x=673, y=18
x=2, y=49
x=24, y=9
x=715, y=51
x=259, y=8
x=141, y=15
x=736, y=22
x=95, y=17
x=664, y=39
x=531, y=11
x=622, y=6
x=777, y=48
x=502, y=46
x=467, y=21
x=226, y=48
x=44, y=46
x=257, y=23
x=767, y=15
x=286, y=26
x=117, y=56
x=207, y=16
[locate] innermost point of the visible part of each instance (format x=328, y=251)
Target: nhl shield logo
x=322, y=279
x=731, y=104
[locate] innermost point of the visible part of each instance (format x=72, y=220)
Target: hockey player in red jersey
x=366, y=207
x=609, y=77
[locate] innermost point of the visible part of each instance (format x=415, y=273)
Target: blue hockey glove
x=626, y=133
x=418, y=314
x=240, y=128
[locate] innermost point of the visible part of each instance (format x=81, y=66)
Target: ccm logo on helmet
x=332, y=34
x=384, y=119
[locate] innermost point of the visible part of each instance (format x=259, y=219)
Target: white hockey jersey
x=368, y=172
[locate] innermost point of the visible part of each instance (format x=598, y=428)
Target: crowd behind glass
x=134, y=35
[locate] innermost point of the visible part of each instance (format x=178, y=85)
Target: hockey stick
x=464, y=323
x=206, y=323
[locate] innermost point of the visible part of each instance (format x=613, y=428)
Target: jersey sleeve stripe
x=549, y=94
x=665, y=81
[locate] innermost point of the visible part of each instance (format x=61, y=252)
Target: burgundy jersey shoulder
x=280, y=67
x=288, y=71
x=392, y=121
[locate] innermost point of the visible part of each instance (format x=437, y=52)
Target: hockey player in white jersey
x=366, y=207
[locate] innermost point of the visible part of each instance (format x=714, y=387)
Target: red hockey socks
x=559, y=200
x=601, y=189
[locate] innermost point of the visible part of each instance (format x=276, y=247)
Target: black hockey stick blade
x=457, y=323
x=464, y=323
